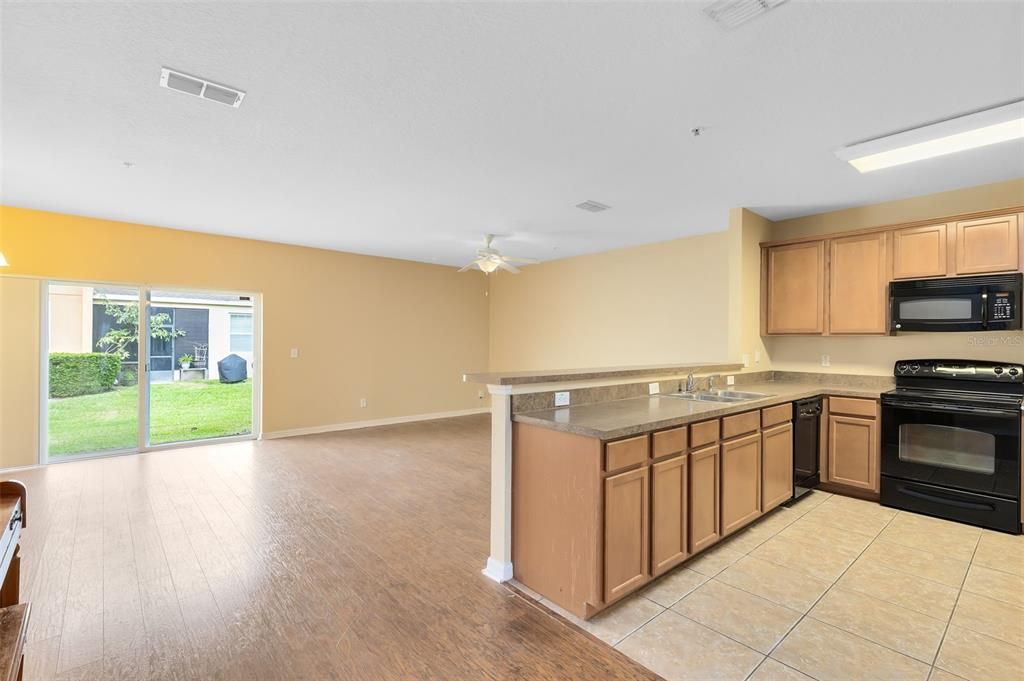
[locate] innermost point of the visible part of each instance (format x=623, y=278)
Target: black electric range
x=951, y=441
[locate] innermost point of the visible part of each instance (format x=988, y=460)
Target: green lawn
x=181, y=411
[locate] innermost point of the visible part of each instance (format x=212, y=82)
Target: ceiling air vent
x=592, y=206
x=730, y=14
x=200, y=87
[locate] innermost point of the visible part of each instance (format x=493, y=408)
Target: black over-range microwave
x=988, y=303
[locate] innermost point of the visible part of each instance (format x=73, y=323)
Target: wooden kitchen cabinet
x=704, y=498
x=853, y=456
x=777, y=471
x=626, y=532
x=794, y=300
x=669, y=511
x=858, y=284
x=987, y=245
x=919, y=252
x=741, y=482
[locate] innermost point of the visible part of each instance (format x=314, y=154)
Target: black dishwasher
x=806, y=440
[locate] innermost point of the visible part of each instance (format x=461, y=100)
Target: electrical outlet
x=757, y=356
x=294, y=353
x=730, y=380
x=653, y=388
x=362, y=403
x=562, y=399
x=746, y=360
x=826, y=361
x=480, y=394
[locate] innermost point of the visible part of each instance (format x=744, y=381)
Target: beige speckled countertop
x=622, y=418
x=566, y=375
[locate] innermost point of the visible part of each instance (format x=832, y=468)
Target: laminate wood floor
x=352, y=555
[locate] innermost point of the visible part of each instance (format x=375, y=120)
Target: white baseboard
x=372, y=423
x=497, y=570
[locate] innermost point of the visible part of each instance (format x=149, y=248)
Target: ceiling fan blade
x=468, y=267
x=525, y=261
x=506, y=266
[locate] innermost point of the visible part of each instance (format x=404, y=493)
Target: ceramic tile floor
x=833, y=588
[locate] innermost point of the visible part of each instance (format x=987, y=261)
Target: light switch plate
x=653, y=388
x=562, y=399
x=294, y=353
x=746, y=360
x=826, y=361
x=730, y=380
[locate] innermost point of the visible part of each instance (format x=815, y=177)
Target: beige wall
x=665, y=302
x=398, y=333
x=876, y=355
x=19, y=371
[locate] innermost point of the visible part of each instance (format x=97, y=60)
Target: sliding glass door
x=201, y=370
x=92, y=367
x=195, y=380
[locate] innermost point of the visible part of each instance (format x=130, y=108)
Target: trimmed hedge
x=84, y=373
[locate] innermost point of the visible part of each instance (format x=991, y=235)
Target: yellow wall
x=876, y=355
x=659, y=303
x=398, y=333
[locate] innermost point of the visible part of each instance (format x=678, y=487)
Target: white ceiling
x=409, y=130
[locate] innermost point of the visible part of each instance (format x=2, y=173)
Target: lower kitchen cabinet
x=741, y=482
x=777, y=473
x=704, y=498
x=626, y=532
x=669, y=510
x=853, y=456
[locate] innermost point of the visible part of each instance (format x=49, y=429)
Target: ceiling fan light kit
x=489, y=260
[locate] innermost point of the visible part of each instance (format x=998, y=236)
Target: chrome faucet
x=691, y=384
x=711, y=382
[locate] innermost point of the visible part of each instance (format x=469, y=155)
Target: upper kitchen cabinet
x=857, y=284
x=795, y=288
x=987, y=245
x=919, y=252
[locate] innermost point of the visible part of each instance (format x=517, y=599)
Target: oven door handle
x=959, y=503
x=953, y=409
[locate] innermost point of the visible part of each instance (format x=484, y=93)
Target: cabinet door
x=704, y=499
x=777, y=474
x=668, y=514
x=987, y=245
x=919, y=252
x=857, y=285
x=626, y=532
x=795, y=288
x=853, y=451
x=741, y=482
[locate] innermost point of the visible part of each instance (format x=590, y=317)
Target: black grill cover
x=232, y=369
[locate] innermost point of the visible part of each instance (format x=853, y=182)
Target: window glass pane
x=936, y=308
x=241, y=323
x=241, y=342
x=948, y=447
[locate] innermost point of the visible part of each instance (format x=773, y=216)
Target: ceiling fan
x=489, y=259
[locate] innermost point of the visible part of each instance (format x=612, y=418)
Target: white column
x=499, y=564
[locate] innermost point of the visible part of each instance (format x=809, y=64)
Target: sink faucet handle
x=711, y=382
x=691, y=384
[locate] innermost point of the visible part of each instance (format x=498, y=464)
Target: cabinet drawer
x=853, y=406
x=703, y=433
x=668, y=442
x=781, y=413
x=625, y=453
x=741, y=424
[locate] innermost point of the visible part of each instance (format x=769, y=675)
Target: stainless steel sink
x=717, y=396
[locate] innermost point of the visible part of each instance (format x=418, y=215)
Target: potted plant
x=185, y=361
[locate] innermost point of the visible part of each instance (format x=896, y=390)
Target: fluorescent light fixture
x=980, y=129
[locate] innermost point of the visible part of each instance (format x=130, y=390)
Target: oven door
x=959, y=447
x=947, y=310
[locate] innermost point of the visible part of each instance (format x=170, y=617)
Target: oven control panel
x=973, y=370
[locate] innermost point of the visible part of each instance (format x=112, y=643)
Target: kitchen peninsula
x=598, y=498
